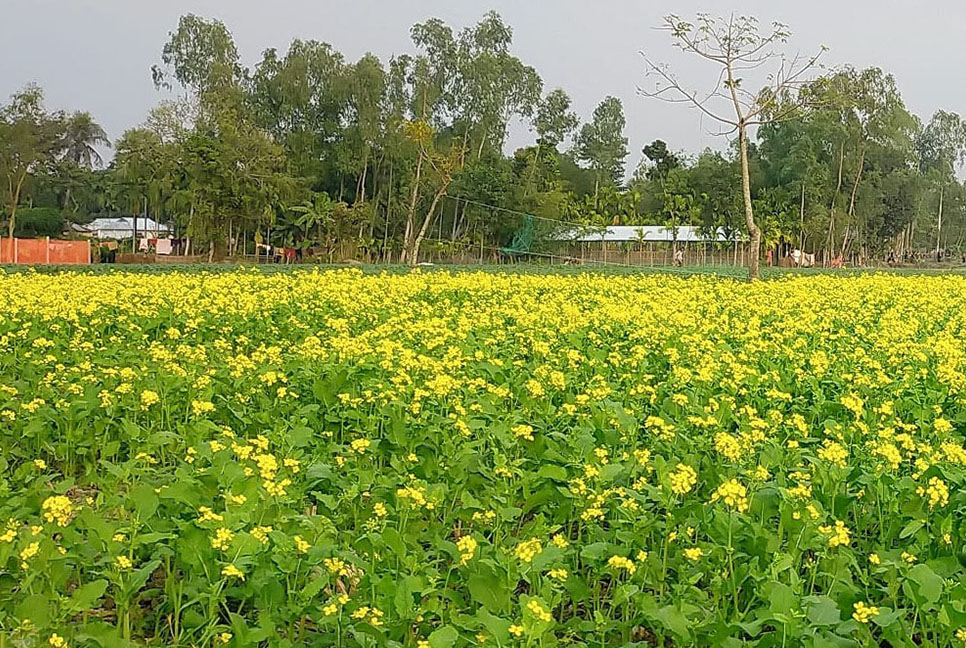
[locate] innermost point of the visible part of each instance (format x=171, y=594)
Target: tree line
x=379, y=160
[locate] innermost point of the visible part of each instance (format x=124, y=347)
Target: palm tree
x=81, y=138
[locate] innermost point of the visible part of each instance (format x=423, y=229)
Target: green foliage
x=602, y=145
x=303, y=458
x=38, y=222
x=838, y=164
x=31, y=138
x=200, y=54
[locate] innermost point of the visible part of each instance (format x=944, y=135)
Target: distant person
x=768, y=257
x=679, y=258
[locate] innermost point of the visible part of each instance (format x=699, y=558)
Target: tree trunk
x=855, y=188
x=939, y=226
x=801, y=232
x=533, y=171
x=15, y=190
x=456, y=219
x=13, y=217
x=361, y=187
x=753, y=228
x=411, y=216
x=855, y=185
x=414, y=254
x=385, y=234
x=830, y=242
x=191, y=216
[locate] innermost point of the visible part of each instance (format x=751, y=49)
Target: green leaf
x=35, y=608
x=674, y=620
x=550, y=471
x=487, y=590
x=85, y=596
x=184, y=492
x=886, y=617
x=300, y=436
x=394, y=541
x=445, y=637
x=145, y=501
x=610, y=472
x=550, y=555
x=910, y=529
x=139, y=577
x=782, y=598
x=312, y=588
x=930, y=584
x=624, y=593
x=403, y=598
x=498, y=627
x=152, y=538
x=594, y=551
x=822, y=611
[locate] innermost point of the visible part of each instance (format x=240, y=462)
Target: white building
x=123, y=227
x=646, y=234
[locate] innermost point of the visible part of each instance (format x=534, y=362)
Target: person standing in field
x=679, y=258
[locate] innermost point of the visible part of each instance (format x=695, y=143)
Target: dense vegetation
x=373, y=159
x=449, y=460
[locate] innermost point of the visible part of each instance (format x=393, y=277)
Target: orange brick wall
x=41, y=251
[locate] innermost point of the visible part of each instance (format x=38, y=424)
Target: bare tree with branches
x=737, y=46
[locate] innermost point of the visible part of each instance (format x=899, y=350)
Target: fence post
x=48, y=250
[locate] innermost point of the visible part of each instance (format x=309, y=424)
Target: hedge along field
x=468, y=459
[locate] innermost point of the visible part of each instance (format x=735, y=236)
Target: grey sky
x=96, y=55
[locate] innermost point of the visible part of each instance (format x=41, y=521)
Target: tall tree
x=442, y=166
x=367, y=86
x=30, y=138
x=491, y=85
x=663, y=161
x=941, y=146
x=601, y=144
x=554, y=120
x=200, y=55
x=137, y=172
x=302, y=100
x=735, y=46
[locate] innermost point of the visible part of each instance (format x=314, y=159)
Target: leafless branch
x=786, y=80
x=674, y=87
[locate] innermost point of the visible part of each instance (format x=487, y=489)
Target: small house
x=124, y=227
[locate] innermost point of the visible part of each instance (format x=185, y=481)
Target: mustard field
x=436, y=460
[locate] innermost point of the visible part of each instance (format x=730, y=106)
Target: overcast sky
x=96, y=55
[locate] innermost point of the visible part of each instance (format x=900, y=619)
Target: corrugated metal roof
x=646, y=234
x=126, y=224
